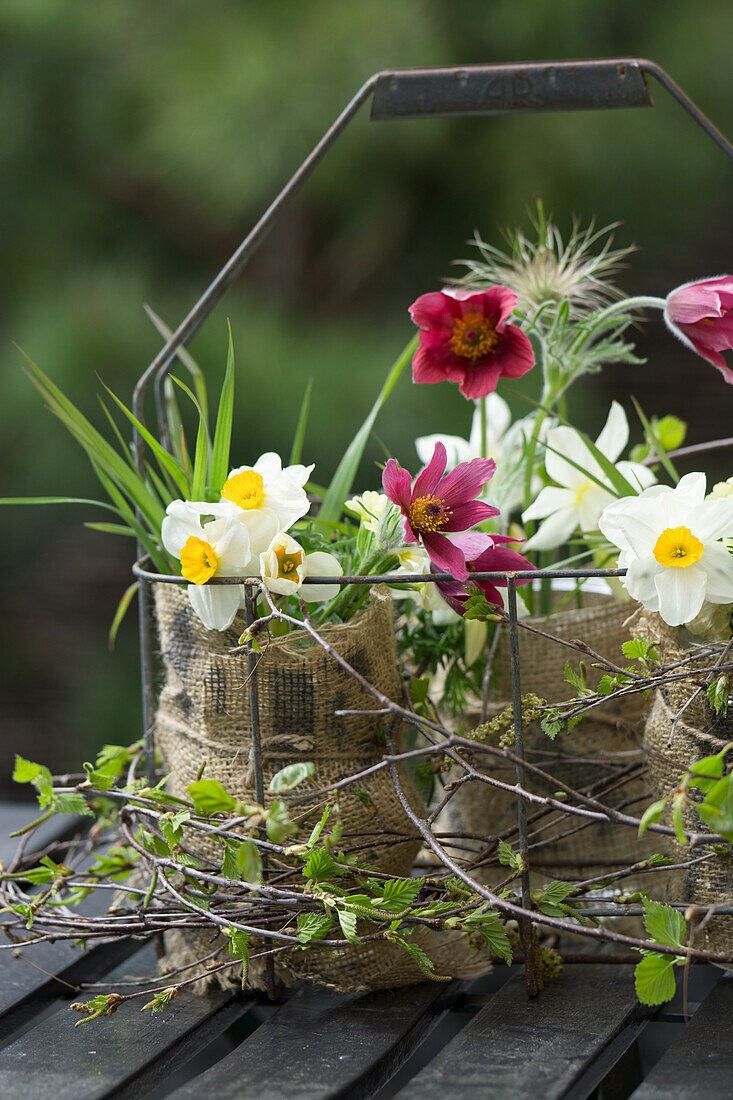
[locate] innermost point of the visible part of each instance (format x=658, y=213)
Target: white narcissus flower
x=670, y=545
x=206, y=548
x=284, y=567
x=505, y=444
x=576, y=503
x=269, y=498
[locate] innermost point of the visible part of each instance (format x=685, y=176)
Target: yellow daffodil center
x=199, y=560
x=678, y=547
x=246, y=489
x=427, y=514
x=288, y=564
x=473, y=337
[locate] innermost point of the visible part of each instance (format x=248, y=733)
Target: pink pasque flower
x=436, y=506
x=465, y=338
x=701, y=315
x=495, y=559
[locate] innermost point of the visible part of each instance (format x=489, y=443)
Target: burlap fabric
x=694, y=737
x=203, y=719
x=585, y=759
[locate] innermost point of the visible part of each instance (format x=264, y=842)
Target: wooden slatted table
x=585, y=1036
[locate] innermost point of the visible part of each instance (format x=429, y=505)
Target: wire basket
x=532, y=782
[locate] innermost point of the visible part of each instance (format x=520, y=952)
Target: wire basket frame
x=456, y=92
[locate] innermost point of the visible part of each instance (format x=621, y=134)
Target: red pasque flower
x=495, y=559
x=465, y=338
x=701, y=315
x=436, y=506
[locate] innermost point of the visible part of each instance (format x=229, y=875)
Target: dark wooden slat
x=700, y=1062
x=323, y=1045
x=516, y=1047
x=44, y=971
x=121, y=1056
x=14, y=815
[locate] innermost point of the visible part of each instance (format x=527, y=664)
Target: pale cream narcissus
x=285, y=566
x=209, y=541
x=269, y=499
x=369, y=506
x=670, y=542
x=582, y=490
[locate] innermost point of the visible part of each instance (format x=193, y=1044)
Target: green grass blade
x=199, y=477
x=165, y=460
x=297, y=448
x=145, y=536
x=185, y=357
x=124, y=444
x=223, y=431
x=100, y=452
x=622, y=487
x=343, y=479
x=655, y=442
x=159, y=487
x=618, y=481
x=57, y=500
x=111, y=528
x=121, y=611
x=173, y=419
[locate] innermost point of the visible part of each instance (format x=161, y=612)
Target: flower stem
x=643, y=301
x=484, y=428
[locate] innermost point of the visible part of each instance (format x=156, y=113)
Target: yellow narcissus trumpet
x=284, y=567
x=269, y=499
x=209, y=547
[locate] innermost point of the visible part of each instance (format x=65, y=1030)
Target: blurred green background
x=140, y=142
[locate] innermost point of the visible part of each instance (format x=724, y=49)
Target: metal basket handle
x=458, y=91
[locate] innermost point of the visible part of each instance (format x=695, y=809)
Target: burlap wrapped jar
x=203, y=719
x=693, y=738
x=584, y=759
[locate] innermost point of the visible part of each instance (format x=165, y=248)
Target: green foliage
x=238, y=946
x=320, y=866
x=210, y=797
x=654, y=974
x=718, y=694
x=317, y=829
x=552, y=899
x=61, y=802
x=637, y=649
x=652, y=815
x=664, y=924
x=278, y=824
x=654, y=979
x=161, y=1000
x=717, y=808
x=487, y=922
x=242, y=862
x=291, y=776
x=395, y=895
x=509, y=858
x=104, y=1004
x=706, y=772
x=478, y=607
x=670, y=431
x=424, y=962
x=347, y=920
x=313, y=926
